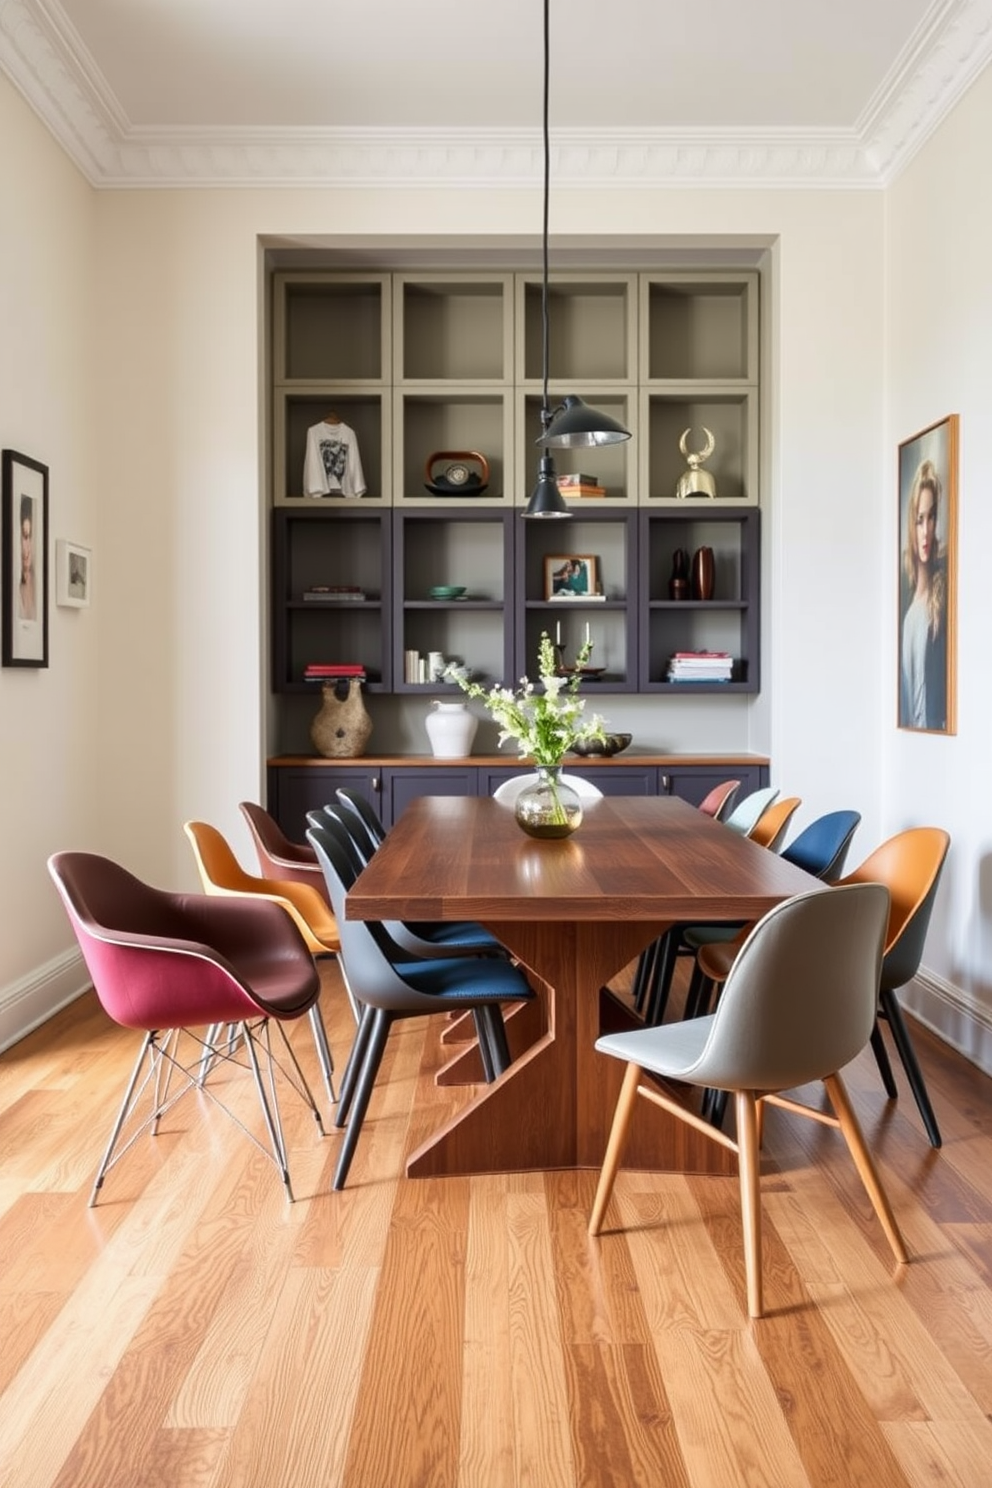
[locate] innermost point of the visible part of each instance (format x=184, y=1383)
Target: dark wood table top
x=633, y=858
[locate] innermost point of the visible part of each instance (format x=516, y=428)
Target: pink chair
x=720, y=799
x=278, y=856
x=170, y=963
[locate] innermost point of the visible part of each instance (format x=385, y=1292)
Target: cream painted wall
x=939, y=306
x=49, y=719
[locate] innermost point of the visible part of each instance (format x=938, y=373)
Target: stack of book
x=327, y=671
x=333, y=593
x=580, y=485
x=701, y=666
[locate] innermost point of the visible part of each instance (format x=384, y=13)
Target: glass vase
x=549, y=807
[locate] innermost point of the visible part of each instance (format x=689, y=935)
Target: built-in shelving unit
x=417, y=363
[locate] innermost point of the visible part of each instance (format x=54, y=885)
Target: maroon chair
x=172, y=963
x=278, y=856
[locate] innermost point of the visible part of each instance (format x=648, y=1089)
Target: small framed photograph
x=570, y=576
x=25, y=562
x=928, y=517
x=73, y=575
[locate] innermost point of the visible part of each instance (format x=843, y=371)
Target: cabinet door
x=400, y=786
x=619, y=780
x=693, y=782
x=294, y=792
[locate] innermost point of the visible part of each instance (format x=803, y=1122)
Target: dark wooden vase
x=678, y=584
x=702, y=573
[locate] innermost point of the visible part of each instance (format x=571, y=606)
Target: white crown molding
x=44, y=58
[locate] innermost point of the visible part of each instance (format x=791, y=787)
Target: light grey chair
x=745, y=815
x=799, y=1004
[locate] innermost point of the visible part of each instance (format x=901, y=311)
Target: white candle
x=588, y=637
x=557, y=632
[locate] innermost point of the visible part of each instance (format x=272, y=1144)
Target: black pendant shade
x=546, y=499
x=575, y=425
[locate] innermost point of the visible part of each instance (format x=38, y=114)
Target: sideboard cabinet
x=298, y=784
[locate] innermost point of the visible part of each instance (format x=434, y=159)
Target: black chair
x=390, y=984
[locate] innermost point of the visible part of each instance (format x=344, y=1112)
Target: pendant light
x=574, y=424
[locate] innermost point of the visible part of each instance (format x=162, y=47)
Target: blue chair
x=821, y=848
x=389, y=985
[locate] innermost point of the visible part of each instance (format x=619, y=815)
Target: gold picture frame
x=926, y=660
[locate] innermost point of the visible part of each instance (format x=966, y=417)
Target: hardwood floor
x=196, y=1330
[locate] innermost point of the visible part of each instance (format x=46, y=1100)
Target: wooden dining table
x=574, y=913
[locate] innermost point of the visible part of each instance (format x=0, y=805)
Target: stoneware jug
x=451, y=730
x=342, y=727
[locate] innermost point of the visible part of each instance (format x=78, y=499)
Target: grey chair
x=390, y=985
x=746, y=813
x=798, y=1005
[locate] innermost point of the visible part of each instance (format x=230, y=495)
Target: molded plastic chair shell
x=718, y=802
x=773, y=823
x=798, y=1005
x=747, y=812
x=821, y=848
x=507, y=793
x=389, y=989
x=429, y=939
x=222, y=874
x=365, y=811
x=278, y=856
x=910, y=865
x=164, y=962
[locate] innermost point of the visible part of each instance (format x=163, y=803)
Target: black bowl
x=615, y=744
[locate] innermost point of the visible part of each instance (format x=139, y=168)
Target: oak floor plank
x=196, y=1330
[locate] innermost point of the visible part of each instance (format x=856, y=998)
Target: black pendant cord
x=545, y=336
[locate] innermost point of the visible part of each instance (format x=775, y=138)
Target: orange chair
x=222, y=874
x=773, y=823
x=909, y=865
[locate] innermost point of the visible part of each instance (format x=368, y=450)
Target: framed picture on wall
x=73, y=575
x=928, y=516
x=25, y=561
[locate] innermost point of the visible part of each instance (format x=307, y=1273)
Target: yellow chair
x=222, y=874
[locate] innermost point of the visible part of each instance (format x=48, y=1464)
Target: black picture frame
x=24, y=627
x=926, y=664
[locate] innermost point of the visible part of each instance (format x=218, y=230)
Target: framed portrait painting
x=570, y=576
x=25, y=561
x=928, y=516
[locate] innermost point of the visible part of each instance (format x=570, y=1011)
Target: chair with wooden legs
x=798, y=1005
x=169, y=964
x=221, y=874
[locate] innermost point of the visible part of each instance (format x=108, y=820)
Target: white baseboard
x=953, y=1015
x=26, y=1004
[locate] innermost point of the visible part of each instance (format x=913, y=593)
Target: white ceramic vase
x=451, y=729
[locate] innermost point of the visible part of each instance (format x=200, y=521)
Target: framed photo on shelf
x=570, y=576
x=73, y=575
x=24, y=627
x=927, y=587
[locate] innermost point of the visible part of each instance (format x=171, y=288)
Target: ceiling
x=742, y=92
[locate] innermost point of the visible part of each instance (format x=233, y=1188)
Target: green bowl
x=447, y=591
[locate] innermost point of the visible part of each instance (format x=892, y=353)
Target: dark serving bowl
x=615, y=743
